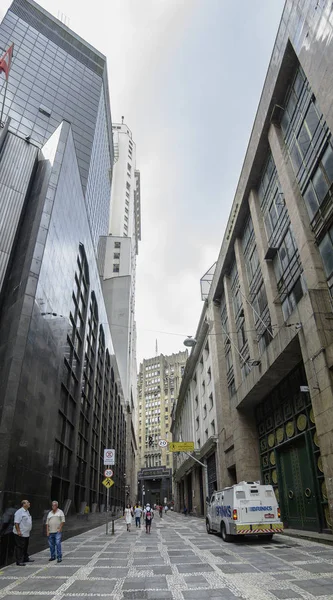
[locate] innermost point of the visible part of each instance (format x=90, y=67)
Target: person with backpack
x=149, y=515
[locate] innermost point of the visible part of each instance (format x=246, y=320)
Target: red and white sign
x=109, y=456
x=108, y=473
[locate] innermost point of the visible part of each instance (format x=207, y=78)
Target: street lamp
x=190, y=342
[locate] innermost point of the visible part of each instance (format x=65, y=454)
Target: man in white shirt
x=54, y=524
x=21, y=530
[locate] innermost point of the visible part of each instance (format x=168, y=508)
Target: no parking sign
x=109, y=456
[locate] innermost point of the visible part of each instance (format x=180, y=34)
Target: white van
x=247, y=508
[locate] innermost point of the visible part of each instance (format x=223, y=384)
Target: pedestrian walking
x=137, y=514
x=148, y=515
x=54, y=523
x=21, y=530
x=160, y=510
x=128, y=514
x=6, y=534
x=165, y=509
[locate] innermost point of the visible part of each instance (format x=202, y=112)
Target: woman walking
x=128, y=516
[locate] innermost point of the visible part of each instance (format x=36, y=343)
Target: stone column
x=267, y=269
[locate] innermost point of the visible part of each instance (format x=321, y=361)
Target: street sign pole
x=107, y=510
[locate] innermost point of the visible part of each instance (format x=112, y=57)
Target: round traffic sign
x=108, y=473
x=162, y=443
x=109, y=454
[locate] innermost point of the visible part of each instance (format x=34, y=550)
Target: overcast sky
x=187, y=75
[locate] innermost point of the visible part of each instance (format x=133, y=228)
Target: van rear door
x=258, y=507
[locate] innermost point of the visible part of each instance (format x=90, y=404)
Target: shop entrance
x=297, y=486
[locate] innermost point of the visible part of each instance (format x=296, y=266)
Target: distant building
x=158, y=385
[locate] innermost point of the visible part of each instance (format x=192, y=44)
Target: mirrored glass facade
x=56, y=76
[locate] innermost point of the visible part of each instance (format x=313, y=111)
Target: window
x=197, y=423
x=196, y=402
x=117, y=244
x=116, y=255
x=205, y=411
x=206, y=434
x=319, y=183
x=209, y=374
x=115, y=268
x=129, y=167
x=326, y=251
x=212, y=426
x=211, y=401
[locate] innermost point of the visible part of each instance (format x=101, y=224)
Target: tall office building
x=57, y=76
x=119, y=251
x=158, y=385
x=61, y=398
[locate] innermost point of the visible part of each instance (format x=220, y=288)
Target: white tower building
x=119, y=275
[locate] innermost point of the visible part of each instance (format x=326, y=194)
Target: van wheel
x=208, y=527
x=268, y=536
x=225, y=536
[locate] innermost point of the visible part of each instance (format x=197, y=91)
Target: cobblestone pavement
x=177, y=561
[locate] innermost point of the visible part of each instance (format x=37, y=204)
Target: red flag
x=6, y=60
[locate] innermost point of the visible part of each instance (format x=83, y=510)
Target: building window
x=115, y=268
x=320, y=182
x=117, y=244
x=116, y=255
x=211, y=401
x=206, y=434
x=196, y=402
x=205, y=411
x=212, y=426
x=197, y=423
x=326, y=251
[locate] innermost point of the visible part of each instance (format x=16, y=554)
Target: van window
x=254, y=491
x=212, y=498
x=269, y=493
x=240, y=494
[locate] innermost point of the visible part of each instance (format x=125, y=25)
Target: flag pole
x=6, y=85
x=3, y=102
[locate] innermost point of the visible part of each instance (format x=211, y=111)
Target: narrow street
x=178, y=561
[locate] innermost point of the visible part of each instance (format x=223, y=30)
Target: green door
x=297, y=487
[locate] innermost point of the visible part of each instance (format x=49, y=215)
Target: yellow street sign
x=108, y=482
x=181, y=446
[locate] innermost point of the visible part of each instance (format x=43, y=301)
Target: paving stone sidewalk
x=177, y=561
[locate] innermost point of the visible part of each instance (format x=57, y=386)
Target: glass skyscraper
x=56, y=76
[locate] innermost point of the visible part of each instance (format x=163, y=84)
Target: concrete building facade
x=270, y=298
x=119, y=252
x=61, y=397
x=195, y=418
x=159, y=381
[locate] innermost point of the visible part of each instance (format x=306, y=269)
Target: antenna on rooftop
x=156, y=348
x=122, y=120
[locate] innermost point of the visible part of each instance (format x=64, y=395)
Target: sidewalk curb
x=311, y=538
